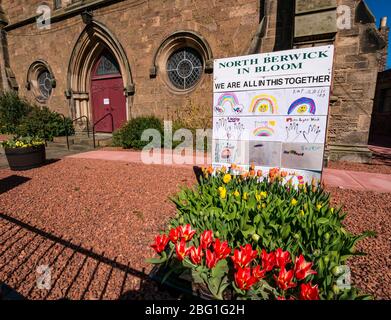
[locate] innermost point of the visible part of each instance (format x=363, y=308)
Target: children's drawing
x=302, y=106
x=265, y=153
x=305, y=129
x=312, y=133
x=230, y=128
x=264, y=129
x=231, y=100
x=293, y=132
x=264, y=103
x=302, y=156
x=301, y=177
x=230, y=151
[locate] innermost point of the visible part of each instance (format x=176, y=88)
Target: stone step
x=73, y=147
x=63, y=139
x=84, y=140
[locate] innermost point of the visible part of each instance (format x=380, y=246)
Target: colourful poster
x=271, y=110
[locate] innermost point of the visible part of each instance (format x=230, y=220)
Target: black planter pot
x=25, y=158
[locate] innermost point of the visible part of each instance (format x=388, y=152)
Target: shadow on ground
x=16, y=231
x=12, y=182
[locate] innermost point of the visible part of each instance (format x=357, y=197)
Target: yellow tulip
x=294, y=202
x=227, y=178
x=223, y=192
x=236, y=193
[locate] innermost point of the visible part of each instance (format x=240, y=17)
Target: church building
x=88, y=58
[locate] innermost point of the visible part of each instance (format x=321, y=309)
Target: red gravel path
x=116, y=208
x=112, y=207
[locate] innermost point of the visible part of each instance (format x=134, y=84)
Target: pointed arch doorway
x=97, y=41
x=107, y=93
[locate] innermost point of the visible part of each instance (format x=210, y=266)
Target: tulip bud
x=217, y=234
x=181, y=220
x=256, y=237
x=336, y=271
x=297, y=236
x=327, y=236
x=336, y=289
x=205, y=218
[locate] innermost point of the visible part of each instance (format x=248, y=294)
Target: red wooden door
x=107, y=91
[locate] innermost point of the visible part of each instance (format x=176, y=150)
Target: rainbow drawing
x=264, y=103
x=263, y=132
x=230, y=99
x=302, y=106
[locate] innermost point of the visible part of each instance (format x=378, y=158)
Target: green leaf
x=160, y=260
x=322, y=221
x=220, y=270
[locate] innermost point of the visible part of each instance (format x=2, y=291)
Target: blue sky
x=381, y=8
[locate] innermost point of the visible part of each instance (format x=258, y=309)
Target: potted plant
x=25, y=153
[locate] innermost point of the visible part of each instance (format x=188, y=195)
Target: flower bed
x=259, y=237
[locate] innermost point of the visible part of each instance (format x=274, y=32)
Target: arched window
x=41, y=81
x=184, y=68
x=181, y=61
x=45, y=84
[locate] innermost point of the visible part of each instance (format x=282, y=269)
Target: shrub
x=46, y=124
x=129, y=136
x=13, y=110
x=269, y=214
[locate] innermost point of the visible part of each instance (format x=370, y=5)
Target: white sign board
x=271, y=110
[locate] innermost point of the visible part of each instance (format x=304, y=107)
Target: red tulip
x=206, y=239
x=309, y=292
x=243, y=257
x=243, y=279
x=258, y=273
x=211, y=259
x=181, y=250
x=303, y=268
x=160, y=243
x=268, y=260
x=196, y=255
x=174, y=235
x=222, y=250
x=284, y=279
x=187, y=232
x=282, y=258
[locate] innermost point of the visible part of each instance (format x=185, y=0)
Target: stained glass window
x=184, y=68
x=45, y=84
x=107, y=65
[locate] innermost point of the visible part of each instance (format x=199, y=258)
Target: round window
x=45, y=84
x=184, y=68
